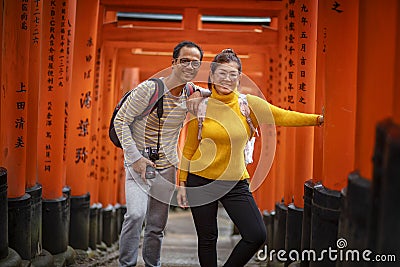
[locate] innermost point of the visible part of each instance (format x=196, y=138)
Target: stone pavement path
x=180, y=241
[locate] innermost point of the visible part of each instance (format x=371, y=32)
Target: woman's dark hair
x=179, y=46
x=226, y=56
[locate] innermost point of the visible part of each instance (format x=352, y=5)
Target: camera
x=151, y=154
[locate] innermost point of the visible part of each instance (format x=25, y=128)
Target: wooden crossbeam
x=209, y=7
x=111, y=33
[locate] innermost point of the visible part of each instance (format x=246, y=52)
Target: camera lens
x=150, y=172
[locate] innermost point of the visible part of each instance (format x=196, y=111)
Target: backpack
x=156, y=102
x=245, y=110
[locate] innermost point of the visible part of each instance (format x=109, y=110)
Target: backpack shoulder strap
x=189, y=89
x=156, y=100
x=201, y=115
x=245, y=110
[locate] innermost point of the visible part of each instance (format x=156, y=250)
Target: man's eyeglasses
x=186, y=62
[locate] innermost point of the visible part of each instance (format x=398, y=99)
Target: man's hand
x=140, y=165
x=193, y=102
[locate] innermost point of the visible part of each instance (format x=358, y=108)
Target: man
x=147, y=200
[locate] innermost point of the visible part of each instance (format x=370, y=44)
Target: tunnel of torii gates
x=66, y=63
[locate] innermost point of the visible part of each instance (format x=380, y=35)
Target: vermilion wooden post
x=1, y=93
x=276, y=100
x=107, y=151
x=319, y=99
x=282, y=147
x=32, y=187
x=14, y=108
x=93, y=184
x=130, y=80
x=116, y=86
x=263, y=179
x=51, y=105
x=33, y=93
x=51, y=123
x=118, y=176
x=80, y=103
x=70, y=40
x=268, y=189
x=339, y=42
x=191, y=20
x=111, y=16
x=375, y=72
x=14, y=101
x=95, y=125
x=340, y=23
x=396, y=89
x=292, y=49
x=280, y=101
x=79, y=120
x=95, y=208
x=306, y=22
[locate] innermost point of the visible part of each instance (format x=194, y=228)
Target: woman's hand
x=193, y=102
x=321, y=117
x=181, y=196
x=320, y=120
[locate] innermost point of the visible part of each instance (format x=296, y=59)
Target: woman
x=213, y=168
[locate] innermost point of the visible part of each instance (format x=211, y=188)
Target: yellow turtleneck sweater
x=219, y=153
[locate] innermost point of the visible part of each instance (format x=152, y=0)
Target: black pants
x=241, y=208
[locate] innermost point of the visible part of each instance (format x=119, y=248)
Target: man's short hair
x=179, y=46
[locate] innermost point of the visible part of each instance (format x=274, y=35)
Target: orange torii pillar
x=257, y=177
x=117, y=166
x=79, y=120
x=107, y=148
x=119, y=172
x=290, y=72
x=130, y=80
x=292, y=67
x=319, y=107
x=1, y=56
x=306, y=35
x=3, y=174
x=32, y=185
x=69, y=36
x=266, y=192
x=14, y=104
x=261, y=171
x=93, y=183
x=338, y=42
x=68, y=24
x=94, y=165
x=376, y=72
x=387, y=243
x=279, y=100
x=281, y=145
x=51, y=131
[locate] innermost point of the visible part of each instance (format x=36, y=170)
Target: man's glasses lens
x=185, y=62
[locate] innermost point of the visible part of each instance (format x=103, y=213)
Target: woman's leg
x=205, y=221
x=242, y=209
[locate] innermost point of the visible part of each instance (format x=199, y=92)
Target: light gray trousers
x=148, y=203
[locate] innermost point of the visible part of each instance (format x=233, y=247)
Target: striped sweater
x=135, y=135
